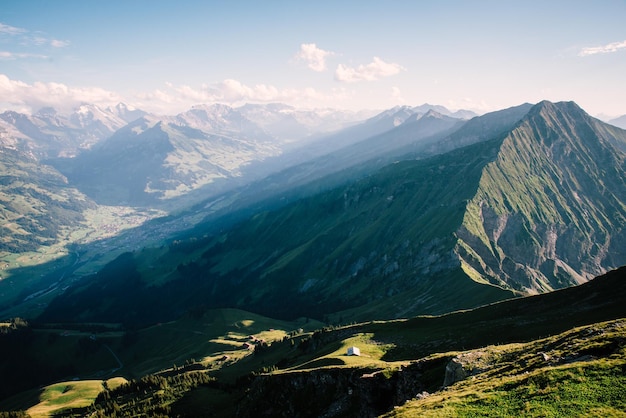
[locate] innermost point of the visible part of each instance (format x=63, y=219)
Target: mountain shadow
x=534, y=208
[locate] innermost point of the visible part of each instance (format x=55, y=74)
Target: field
x=54, y=399
x=89, y=352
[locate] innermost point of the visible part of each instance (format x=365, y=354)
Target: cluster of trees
x=149, y=396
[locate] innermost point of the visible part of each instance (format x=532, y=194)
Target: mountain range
x=121, y=156
x=534, y=203
x=271, y=235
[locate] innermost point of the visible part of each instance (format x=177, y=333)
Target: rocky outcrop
x=336, y=392
x=465, y=365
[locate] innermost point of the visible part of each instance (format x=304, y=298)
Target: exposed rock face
x=331, y=393
x=550, y=210
x=454, y=372
x=465, y=365
x=353, y=392
x=49, y=134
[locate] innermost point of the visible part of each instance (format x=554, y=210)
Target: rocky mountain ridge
x=550, y=210
x=210, y=147
x=49, y=134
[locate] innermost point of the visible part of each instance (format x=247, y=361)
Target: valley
x=216, y=261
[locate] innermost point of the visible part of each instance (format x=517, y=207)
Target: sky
x=166, y=56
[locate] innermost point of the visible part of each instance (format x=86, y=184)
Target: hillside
x=209, y=150
x=559, y=179
x=366, y=243
x=504, y=356
x=529, y=354
x=406, y=240
x=37, y=208
x=202, y=155
x=153, y=159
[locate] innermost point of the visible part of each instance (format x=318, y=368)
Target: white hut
x=353, y=351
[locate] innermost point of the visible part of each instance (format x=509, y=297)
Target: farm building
x=353, y=351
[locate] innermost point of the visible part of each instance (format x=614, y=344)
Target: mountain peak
x=556, y=176
x=550, y=109
x=433, y=114
x=214, y=109
x=562, y=105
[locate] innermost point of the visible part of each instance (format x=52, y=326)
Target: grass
x=588, y=389
x=502, y=341
x=576, y=373
x=55, y=354
x=371, y=354
x=58, y=398
x=205, y=339
x=55, y=398
x=371, y=350
x=530, y=189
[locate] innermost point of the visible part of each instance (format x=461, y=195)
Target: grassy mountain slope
x=378, y=238
x=577, y=373
x=374, y=144
x=512, y=345
x=550, y=210
x=421, y=236
x=36, y=206
x=146, y=147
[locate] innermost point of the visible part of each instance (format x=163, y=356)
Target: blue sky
x=165, y=56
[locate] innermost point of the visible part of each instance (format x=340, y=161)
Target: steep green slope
x=386, y=241
x=550, y=210
x=538, y=207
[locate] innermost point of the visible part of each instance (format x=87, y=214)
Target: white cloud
x=176, y=98
x=43, y=41
x=11, y=30
x=397, y=94
x=314, y=57
x=604, y=49
x=25, y=97
x=6, y=55
x=57, y=43
x=27, y=38
x=373, y=71
x=17, y=94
